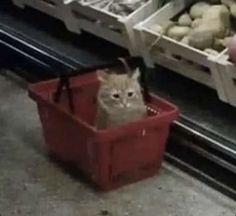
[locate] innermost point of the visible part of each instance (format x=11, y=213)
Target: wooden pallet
x=178, y=57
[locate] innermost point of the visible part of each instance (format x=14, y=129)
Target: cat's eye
x=116, y=96
x=130, y=94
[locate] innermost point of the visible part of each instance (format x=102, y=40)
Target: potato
x=224, y=42
x=185, y=20
x=218, y=45
x=162, y=29
x=201, y=39
x=215, y=24
x=216, y=20
x=178, y=32
x=197, y=10
x=157, y=28
x=232, y=6
x=196, y=23
x=167, y=26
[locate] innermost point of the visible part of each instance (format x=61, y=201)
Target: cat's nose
x=127, y=105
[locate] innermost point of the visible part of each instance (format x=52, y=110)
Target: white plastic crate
x=54, y=8
x=227, y=71
x=109, y=26
x=178, y=57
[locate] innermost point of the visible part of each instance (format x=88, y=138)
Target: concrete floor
x=32, y=184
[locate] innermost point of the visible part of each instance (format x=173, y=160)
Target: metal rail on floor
x=195, y=149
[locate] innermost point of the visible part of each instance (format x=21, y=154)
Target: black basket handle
x=64, y=80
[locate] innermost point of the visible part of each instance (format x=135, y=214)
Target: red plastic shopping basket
x=111, y=157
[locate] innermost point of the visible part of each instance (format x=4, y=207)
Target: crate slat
x=227, y=71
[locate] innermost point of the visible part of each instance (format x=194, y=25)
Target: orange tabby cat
x=119, y=98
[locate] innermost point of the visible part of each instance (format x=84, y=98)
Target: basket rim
x=171, y=114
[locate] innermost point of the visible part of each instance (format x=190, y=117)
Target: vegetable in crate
x=232, y=6
x=198, y=9
x=206, y=26
x=185, y=20
x=215, y=24
x=178, y=32
x=119, y=7
x=119, y=99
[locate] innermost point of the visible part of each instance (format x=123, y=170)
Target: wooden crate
x=227, y=71
x=111, y=27
x=178, y=57
x=54, y=8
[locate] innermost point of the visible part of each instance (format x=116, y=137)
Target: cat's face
x=119, y=91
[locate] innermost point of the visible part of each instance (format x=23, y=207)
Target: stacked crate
x=107, y=25
x=176, y=56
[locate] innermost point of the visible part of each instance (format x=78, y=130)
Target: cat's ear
x=103, y=75
x=136, y=73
